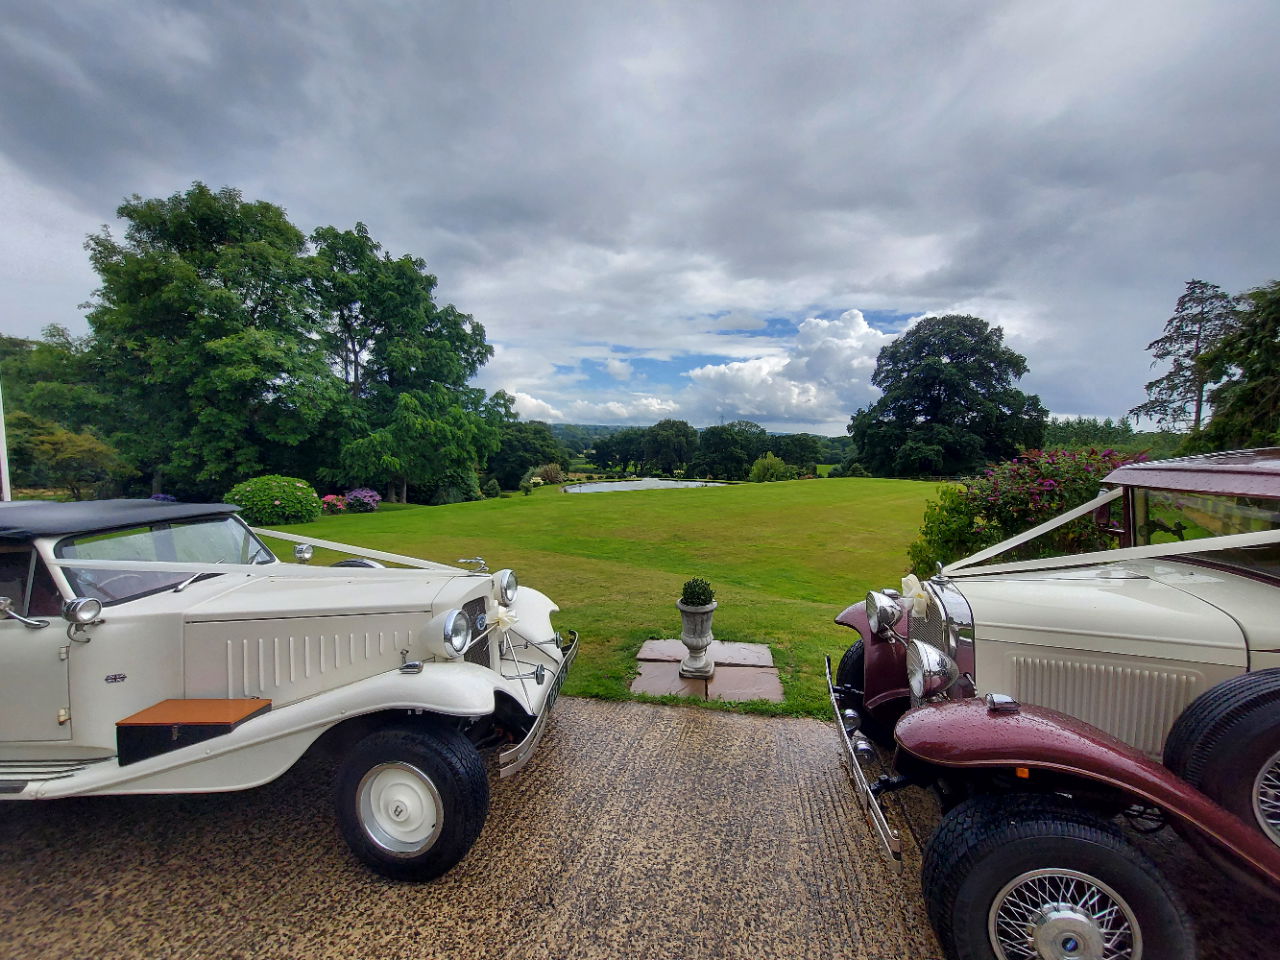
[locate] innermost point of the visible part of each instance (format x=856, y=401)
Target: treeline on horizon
x=224, y=344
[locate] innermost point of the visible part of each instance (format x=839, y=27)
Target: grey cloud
x=585, y=172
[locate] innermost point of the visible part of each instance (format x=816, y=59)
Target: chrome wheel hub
x=400, y=808
x=1266, y=798
x=1062, y=915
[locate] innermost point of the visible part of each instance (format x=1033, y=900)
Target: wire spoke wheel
x=1056, y=914
x=1266, y=797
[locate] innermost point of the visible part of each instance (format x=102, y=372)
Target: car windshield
x=1167, y=516
x=217, y=540
x=1170, y=516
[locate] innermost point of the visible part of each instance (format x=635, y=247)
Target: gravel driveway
x=636, y=831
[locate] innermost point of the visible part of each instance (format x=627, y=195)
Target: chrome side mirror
x=303, y=552
x=6, y=608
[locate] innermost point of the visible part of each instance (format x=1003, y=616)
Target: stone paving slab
x=660, y=678
x=744, y=683
x=637, y=830
x=731, y=653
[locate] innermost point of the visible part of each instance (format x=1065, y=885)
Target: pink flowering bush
x=333, y=503
x=273, y=499
x=1014, y=496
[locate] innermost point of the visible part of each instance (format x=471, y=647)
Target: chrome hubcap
x=1062, y=915
x=400, y=808
x=1266, y=798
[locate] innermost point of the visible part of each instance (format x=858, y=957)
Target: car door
x=34, y=689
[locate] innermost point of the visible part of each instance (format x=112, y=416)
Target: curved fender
x=533, y=611
x=965, y=733
x=262, y=749
x=885, y=661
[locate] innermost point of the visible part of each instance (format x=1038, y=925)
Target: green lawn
x=783, y=558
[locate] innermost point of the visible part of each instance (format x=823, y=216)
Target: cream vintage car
x=155, y=647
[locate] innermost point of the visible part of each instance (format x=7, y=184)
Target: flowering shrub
x=550, y=473
x=362, y=500
x=1011, y=497
x=274, y=499
x=333, y=503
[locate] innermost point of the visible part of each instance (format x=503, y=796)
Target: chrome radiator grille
x=1138, y=706
x=478, y=652
x=931, y=628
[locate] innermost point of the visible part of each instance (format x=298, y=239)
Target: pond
x=642, y=483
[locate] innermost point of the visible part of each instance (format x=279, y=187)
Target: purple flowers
x=363, y=500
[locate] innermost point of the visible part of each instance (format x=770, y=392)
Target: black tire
x=851, y=676
x=411, y=800
x=357, y=562
x=984, y=867
x=1227, y=744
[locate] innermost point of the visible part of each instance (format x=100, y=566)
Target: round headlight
x=457, y=631
x=302, y=552
x=929, y=671
x=883, y=611
x=507, y=586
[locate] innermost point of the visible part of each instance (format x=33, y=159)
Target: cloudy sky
x=705, y=210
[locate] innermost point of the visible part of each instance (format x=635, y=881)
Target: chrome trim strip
x=513, y=758
x=889, y=838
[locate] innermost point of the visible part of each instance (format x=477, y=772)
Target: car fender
x=885, y=679
x=966, y=734
x=263, y=748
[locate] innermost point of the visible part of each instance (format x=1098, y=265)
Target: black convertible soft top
x=25, y=519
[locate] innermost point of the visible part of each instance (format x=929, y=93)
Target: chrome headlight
x=507, y=586
x=457, y=631
x=930, y=672
x=883, y=611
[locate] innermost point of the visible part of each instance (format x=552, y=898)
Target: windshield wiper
x=192, y=579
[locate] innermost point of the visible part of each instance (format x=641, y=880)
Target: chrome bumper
x=855, y=745
x=514, y=757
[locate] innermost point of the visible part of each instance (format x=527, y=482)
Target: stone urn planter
x=697, y=604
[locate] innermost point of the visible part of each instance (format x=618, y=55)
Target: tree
x=432, y=442
x=726, y=451
x=669, y=445
x=1246, y=403
x=949, y=403
x=204, y=339
x=620, y=450
x=769, y=468
x=1203, y=316
x=45, y=454
x=799, y=449
x=523, y=444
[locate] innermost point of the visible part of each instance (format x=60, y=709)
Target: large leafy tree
x=669, y=445
x=204, y=338
x=726, y=451
x=1203, y=316
x=523, y=444
x=1246, y=403
x=406, y=363
x=949, y=402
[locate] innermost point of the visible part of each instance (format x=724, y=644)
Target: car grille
x=931, y=628
x=478, y=652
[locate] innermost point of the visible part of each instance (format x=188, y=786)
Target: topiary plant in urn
x=697, y=603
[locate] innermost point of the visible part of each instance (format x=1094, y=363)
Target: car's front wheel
x=412, y=800
x=851, y=679
x=1026, y=877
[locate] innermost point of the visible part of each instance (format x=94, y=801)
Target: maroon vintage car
x=1048, y=700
